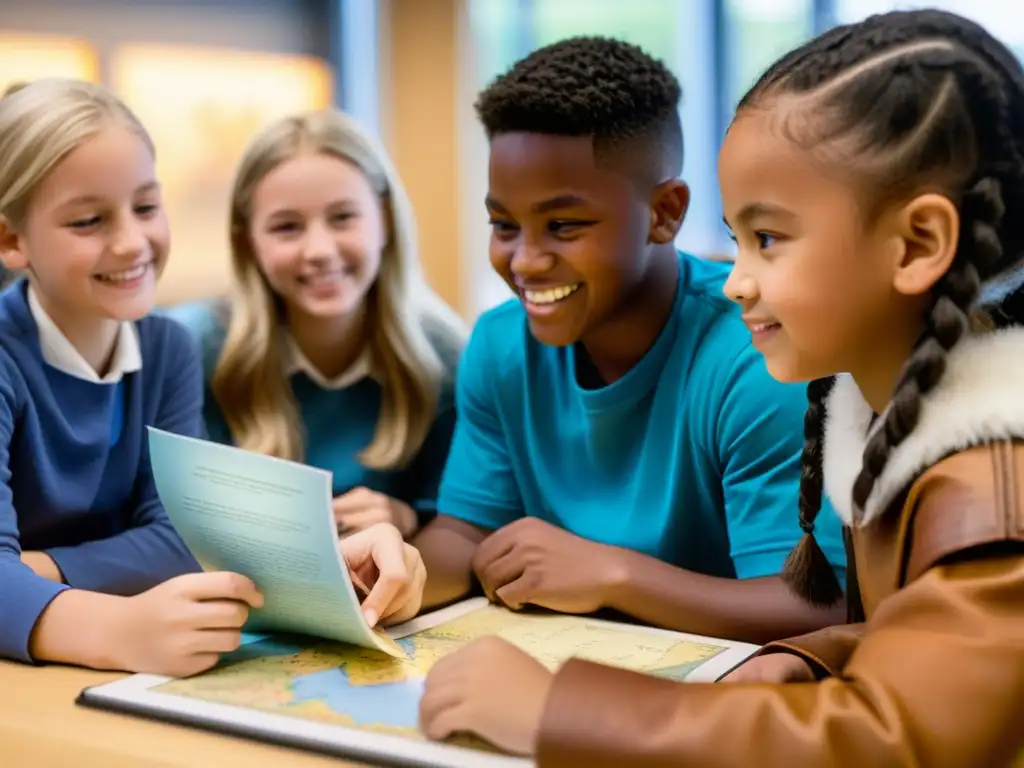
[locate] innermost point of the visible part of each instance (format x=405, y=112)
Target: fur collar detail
x=980, y=398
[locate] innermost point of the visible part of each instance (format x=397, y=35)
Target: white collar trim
x=296, y=362
x=61, y=354
x=979, y=399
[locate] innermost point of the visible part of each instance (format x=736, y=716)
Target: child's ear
x=929, y=229
x=11, y=253
x=669, y=203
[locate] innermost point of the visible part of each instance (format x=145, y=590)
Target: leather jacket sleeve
x=826, y=650
x=937, y=680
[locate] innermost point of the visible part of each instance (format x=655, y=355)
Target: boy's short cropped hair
x=606, y=89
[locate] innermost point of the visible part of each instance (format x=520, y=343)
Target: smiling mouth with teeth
x=322, y=277
x=551, y=295
x=327, y=276
x=125, y=275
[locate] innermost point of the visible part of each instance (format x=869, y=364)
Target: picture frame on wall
x=28, y=56
x=202, y=106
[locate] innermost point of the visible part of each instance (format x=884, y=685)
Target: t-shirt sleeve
x=479, y=484
x=150, y=551
x=23, y=594
x=760, y=440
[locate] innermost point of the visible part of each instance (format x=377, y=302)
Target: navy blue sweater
x=75, y=478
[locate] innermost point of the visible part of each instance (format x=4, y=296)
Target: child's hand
x=390, y=570
x=182, y=626
x=360, y=508
x=772, y=668
x=531, y=561
x=488, y=688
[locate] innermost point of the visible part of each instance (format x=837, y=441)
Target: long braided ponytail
x=807, y=570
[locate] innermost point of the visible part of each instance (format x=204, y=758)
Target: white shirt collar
x=61, y=354
x=296, y=362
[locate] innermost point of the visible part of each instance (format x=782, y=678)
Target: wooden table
x=42, y=727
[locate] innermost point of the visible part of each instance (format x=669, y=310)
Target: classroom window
x=757, y=32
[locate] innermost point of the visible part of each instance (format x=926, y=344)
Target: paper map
x=351, y=686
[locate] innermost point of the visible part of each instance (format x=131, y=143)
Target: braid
x=807, y=571
x=947, y=323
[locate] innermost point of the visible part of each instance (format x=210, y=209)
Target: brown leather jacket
x=933, y=678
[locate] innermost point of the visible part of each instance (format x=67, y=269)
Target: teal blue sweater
x=337, y=423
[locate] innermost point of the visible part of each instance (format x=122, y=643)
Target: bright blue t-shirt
x=692, y=457
x=75, y=477
x=338, y=423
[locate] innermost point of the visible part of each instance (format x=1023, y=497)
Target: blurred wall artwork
x=25, y=57
x=202, y=107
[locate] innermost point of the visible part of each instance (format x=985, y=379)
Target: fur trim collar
x=980, y=398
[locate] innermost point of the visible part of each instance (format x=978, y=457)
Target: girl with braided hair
x=874, y=180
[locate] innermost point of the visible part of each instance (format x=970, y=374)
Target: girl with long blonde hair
x=91, y=570
x=332, y=348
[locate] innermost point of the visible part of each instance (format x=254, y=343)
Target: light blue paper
x=268, y=519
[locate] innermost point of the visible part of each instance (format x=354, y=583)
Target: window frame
x=355, y=52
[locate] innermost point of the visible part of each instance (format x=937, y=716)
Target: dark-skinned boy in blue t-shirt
x=620, y=444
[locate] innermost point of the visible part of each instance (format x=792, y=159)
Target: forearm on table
x=750, y=610
x=947, y=638
x=73, y=629
x=447, y=546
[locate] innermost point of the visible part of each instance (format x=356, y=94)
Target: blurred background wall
x=205, y=75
